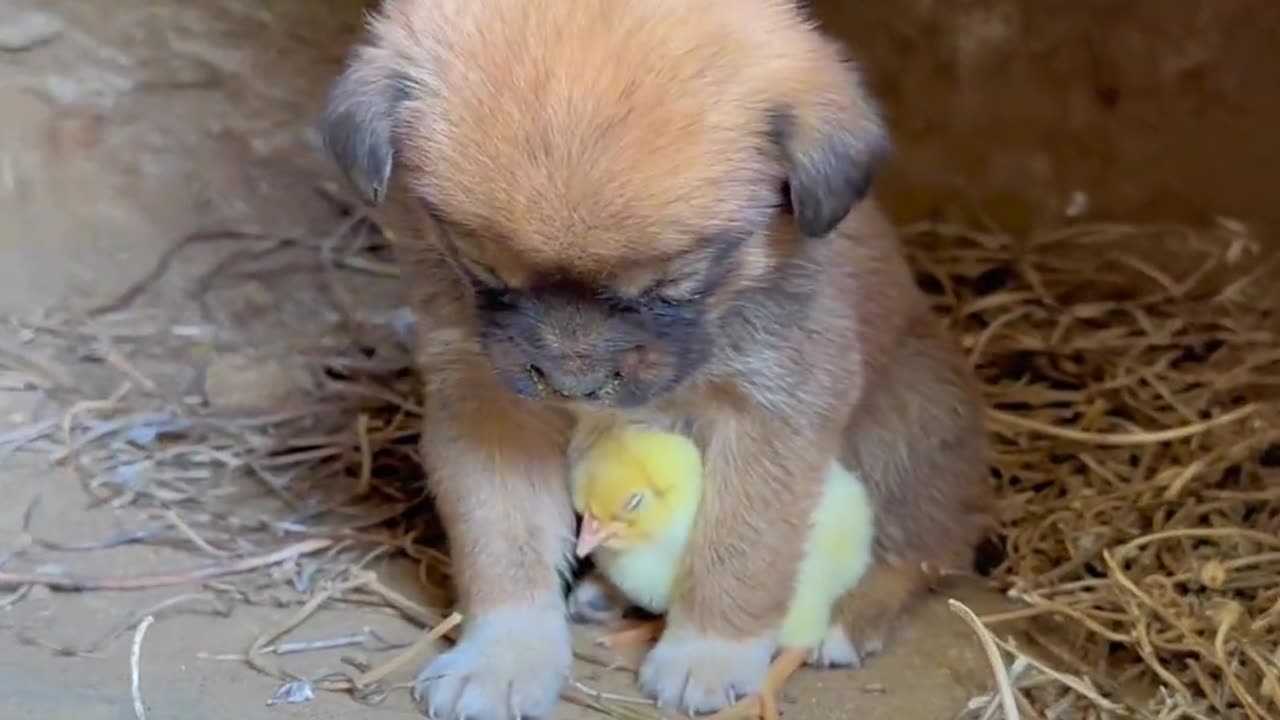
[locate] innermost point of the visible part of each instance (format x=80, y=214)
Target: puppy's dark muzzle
x=568, y=383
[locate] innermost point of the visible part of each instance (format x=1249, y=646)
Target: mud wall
x=1150, y=109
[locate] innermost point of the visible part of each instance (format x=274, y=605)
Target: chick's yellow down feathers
x=837, y=555
x=639, y=489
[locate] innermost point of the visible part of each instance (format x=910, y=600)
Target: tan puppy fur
x=655, y=209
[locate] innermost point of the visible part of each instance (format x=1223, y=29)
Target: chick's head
x=633, y=485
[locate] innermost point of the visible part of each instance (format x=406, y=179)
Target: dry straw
x=1135, y=447
x=1137, y=451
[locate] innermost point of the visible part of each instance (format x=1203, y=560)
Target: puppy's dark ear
x=358, y=123
x=831, y=146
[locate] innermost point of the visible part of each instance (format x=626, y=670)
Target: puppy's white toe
x=511, y=664
x=837, y=649
x=703, y=673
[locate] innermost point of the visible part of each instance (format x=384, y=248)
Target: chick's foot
x=764, y=704
x=511, y=664
x=594, y=600
x=642, y=632
x=701, y=673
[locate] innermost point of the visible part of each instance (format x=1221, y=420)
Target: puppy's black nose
x=574, y=385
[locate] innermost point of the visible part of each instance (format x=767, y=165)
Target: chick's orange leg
x=640, y=633
x=764, y=704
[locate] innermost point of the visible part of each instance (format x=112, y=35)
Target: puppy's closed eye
x=491, y=292
x=695, y=275
x=495, y=299
x=482, y=275
x=457, y=241
x=677, y=288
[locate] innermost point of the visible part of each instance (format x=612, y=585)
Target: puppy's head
x=608, y=177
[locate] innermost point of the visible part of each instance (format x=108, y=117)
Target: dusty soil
x=129, y=124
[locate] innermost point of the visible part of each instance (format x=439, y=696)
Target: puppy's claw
x=697, y=672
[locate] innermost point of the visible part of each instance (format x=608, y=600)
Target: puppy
x=652, y=209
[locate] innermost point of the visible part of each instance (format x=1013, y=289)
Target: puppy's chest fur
x=788, y=345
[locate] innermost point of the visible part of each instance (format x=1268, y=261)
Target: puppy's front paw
x=595, y=600
x=703, y=673
x=837, y=649
x=510, y=664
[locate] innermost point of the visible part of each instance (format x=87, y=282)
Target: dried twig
x=73, y=583
x=1151, y=437
x=411, y=654
x=1008, y=699
x=135, y=667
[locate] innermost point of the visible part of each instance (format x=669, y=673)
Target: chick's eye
x=634, y=502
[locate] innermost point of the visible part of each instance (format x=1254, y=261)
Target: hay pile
x=1135, y=448
x=1137, y=451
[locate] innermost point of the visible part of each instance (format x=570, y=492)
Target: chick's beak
x=592, y=535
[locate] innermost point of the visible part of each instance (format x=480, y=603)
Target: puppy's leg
x=739, y=571
x=496, y=466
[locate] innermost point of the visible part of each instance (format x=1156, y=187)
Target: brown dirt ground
x=143, y=120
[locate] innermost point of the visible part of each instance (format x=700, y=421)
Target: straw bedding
x=1135, y=430
x=1133, y=417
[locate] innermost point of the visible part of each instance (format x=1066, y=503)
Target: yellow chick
x=638, y=490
